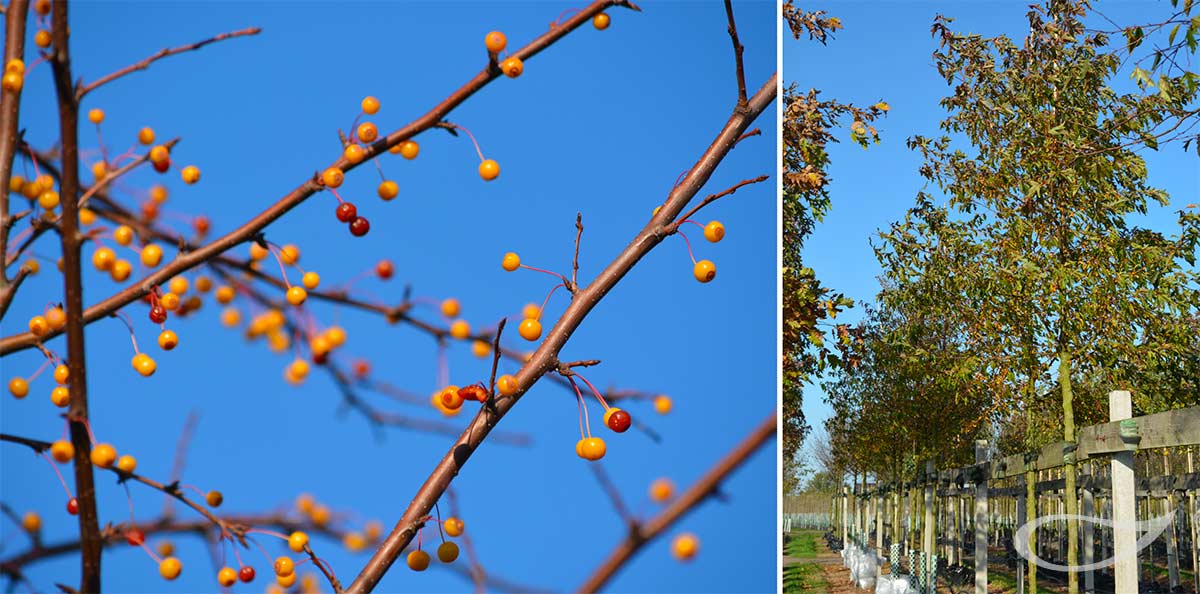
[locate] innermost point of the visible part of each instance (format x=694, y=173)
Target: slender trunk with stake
x=1064, y=381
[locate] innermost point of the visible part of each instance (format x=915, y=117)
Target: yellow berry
x=190, y=174
x=227, y=576
x=33, y=266
x=151, y=255
x=203, y=284
x=169, y=568
x=388, y=190
x=86, y=217
x=169, y=301
x=286, y=581
x=284, y=565
x=225, y=294
x=600, y=21
x=489, y=170
x=12, y=81
x=290, y=254
x=127, y=463
x=16, y=65
x=370, y=105
x=299, y=369
x=661, y=489
x=511, y=262
x=103, y=259
x=418, y=560
x=62, y=451
x=231, y=317
x=297, y=541
x=48, y=200
x=409, y=149
x=480, y=349
x=354, y=153
x=512, y=67
x=258, y=252
x=146, y=136
x=18, y=387
x=495, y=42
x=104, y=455
x=451, y=308
x=591, y=448
x=460, y=329
x=178, y=285
x=367, y=132
x=121, y=269
x=144, y=364
x=311, y=280
x=123, y=235
x=167, y=340
x=454, y=527
x=662, y=404
x=333, y=177
x=60, y=396
x=354, y=542
x=96, y=115
x=336, y=335
x=530, y=329
x=38, y=326
x=507, y=385
x=714, y=231
x=704, y=271
x=61, y=374
x=685, y=547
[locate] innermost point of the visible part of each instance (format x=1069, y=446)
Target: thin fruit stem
x=594, y=391
x=689, y=246
x=692, y=222
x=270, y=561
x=59, y=474
x=267, y=532
x=443, y=371
x=40, y=369
x=379, y=168
x=439, y=521
x=275, y=251
x=472, y=137
x=587, y=422
x=547, y=300
x=554, y=274
x=156, y=558
x=128, y=324
x=103, y=150
x=129, y=498
x=336, y=195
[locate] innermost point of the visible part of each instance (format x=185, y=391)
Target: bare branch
x=737, y=55
x=10, y=108
x=163, y=53
x=673, y=227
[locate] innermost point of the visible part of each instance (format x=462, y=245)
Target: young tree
x=314, y=320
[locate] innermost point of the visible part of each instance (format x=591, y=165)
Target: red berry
x=162, y=166
x=158, y=314
x=346, y=212
x=135, y=536
x=619, y=421
x=73, y=506
x=246, y=574
x=385, y=269
x=359, y=226
x=320, y=358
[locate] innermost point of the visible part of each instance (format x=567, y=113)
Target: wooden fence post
x=927, y=545
x=1089, y=528
x=1124, y=506
x=1194, y=515
x=880, y=514
x=1022, y=502
x=981, y=520
x=1172, y=542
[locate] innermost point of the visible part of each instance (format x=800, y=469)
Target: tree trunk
x=1064, y=382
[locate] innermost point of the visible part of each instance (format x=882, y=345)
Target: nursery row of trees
x=1018, y=290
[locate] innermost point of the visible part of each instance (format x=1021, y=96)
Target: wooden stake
x=1125, y=567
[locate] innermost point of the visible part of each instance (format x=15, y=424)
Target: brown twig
x=754, y=132
x=545, y=358
x=687, y=501
x=575, y=260
x=737, y=54
x=163, y=53
x=613, y=494
x=306, y=189
x=181, y=451
x=325, y=569
x=10, y=112
x=673, y=227
x=77, y=412
x=8, y=291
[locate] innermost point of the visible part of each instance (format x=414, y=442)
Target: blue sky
x=602, y=123
x=885, y=52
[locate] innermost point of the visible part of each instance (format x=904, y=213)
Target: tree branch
x=77, y=412
x=686, y=502
x=737, y=55
x=10, y=111
x=545, y=357
x=163, y=53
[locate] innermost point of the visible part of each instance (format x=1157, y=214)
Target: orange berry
x=146, y=136
x=169, y=301
x=286, y=581
x=48, y=200
x=370, y=105
x=298, y=369
x=214, y=498
x=151, y=255
x=512, y=67
x=127, y=463
x=489, y=170
x=480, y=349
x=203, y=284
x=144, y=364
x=224, y=294
x=60, y=396
x=18, y=387
x=460, y=329
x=190, y=174
x=121, y=269
x=297, y=541
x=336, y=335
x=311, y=280
x=159, y=155
x=178, y=285
x=95, y=115
x=530, y=329
x=704, y=271
x=367, y=132
x=354, y=153
x=231, y=317
x=447, y=552
x=714, y=231
x=662, y=404
x=227, y=576
x=290, y=254
x=167, y=340
x=510, y=262
x=450, y=399
x=123, y=235
x=532, y=311
x=258, y=252
x=590, y=448
x=42, y=38
x=454, y=527
x=38, y=326
x=661, y=489
x=409, y=149
x=600, y=21
x=12, y=81
x=388, y=189
x=61, y=374
x=685, y=547
x=495, y=42
x=418, y=560
x=507, y=385
x=103, y=259
x=333, y=177
x=170, y=568
x=451, y=308
x=284, y=566
x=104, y=455
x=16, y=64
x=31, y=521
x=62, y=451
x=42, y=7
